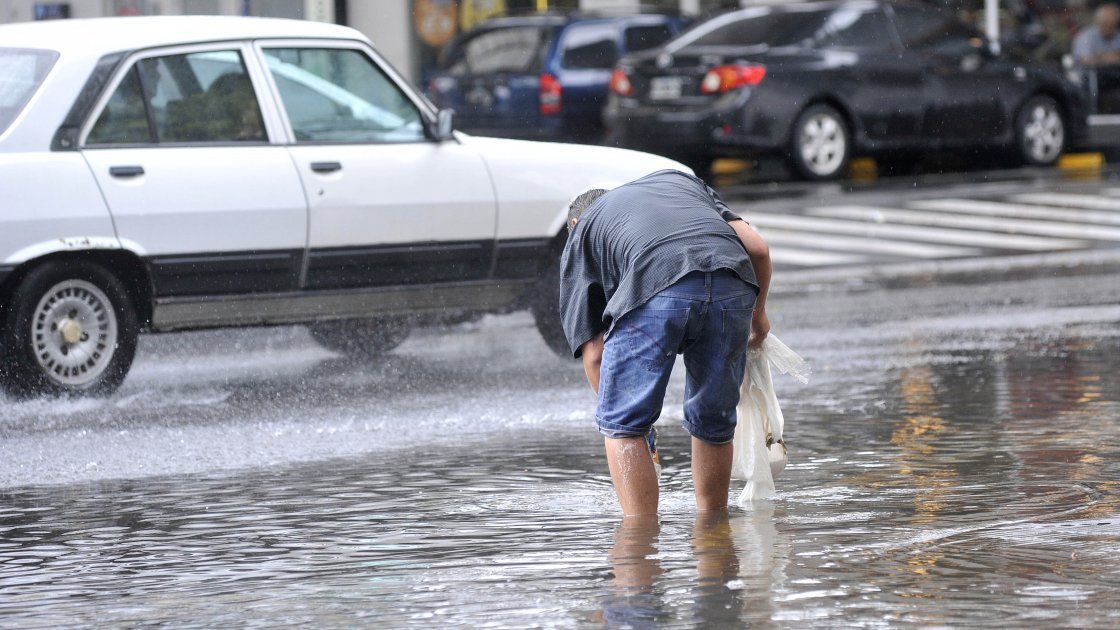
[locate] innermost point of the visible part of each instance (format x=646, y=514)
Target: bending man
x=652, y=269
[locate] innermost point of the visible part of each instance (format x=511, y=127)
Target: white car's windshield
x=21, y=73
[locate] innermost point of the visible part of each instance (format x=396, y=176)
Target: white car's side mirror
x=445, y=125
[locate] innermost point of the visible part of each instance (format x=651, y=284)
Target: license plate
x=665, y=88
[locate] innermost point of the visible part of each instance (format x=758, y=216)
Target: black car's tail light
x=726, y=78
x=550, y=95
x=620, y=83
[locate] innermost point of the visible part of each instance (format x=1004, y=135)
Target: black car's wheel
x=1040, y=131
x=71, y=330
x=545, y=307
x=820, y=143
x=361, y=338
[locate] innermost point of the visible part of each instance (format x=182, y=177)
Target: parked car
x=818, y=83
x=541, y=77
x=197, y=172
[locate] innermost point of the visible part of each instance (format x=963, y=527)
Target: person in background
x=1099, y=44
x=655, y=268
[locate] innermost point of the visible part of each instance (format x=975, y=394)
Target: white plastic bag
x=760, y=451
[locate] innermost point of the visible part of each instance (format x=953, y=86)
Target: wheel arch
x=126, y=265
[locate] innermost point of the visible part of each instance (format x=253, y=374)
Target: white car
x=175, y=173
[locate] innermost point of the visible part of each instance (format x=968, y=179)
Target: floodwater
x=955, y=460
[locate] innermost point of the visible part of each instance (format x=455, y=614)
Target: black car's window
x=123, y=120
x=339, y=95
x=590, y=46
x=21, y=72
x=515, y=50
x=934, y=32
x=757, y=27
x=854, y=28
x=638, y=38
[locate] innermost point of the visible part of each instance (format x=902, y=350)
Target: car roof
x=553, y=19
x=99, y=36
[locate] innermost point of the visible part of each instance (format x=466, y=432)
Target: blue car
x=541, y=77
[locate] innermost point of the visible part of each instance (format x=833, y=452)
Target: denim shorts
x=705, y=316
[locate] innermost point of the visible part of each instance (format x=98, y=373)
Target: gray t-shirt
x=638, y=239
x=1089, y=43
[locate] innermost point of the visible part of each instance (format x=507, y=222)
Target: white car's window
x=338, y=95
x=21, y=72
x=123, y=120
x=196, y=97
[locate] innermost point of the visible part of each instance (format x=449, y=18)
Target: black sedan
x=817, y=83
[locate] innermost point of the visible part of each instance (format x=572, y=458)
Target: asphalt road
x=953, y=462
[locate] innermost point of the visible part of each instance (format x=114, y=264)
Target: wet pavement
x=954, y=461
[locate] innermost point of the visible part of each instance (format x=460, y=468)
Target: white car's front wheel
x=71, y=329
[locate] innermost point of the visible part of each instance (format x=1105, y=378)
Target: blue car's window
x=637, y=38
x=513, y=50
x=590, y=46
x=21, y=72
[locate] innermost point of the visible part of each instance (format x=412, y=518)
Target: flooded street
x=953, y=461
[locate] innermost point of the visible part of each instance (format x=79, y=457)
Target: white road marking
x=1095, y=202
x=811, y=258
x=1011, y=226
x=864, y=245
x=1015, y=210
x=921, y=234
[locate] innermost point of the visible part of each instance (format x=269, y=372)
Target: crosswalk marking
x=1012, y=226
x=810, y=258
x=1013, y=210
x=782, y=238
x=1094, y=202
x=905, y=232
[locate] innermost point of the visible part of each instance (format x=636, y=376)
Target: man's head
x=582, y=202
x=1107, y=19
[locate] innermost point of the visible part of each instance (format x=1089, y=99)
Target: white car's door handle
x=126, y=171
x=326, y=167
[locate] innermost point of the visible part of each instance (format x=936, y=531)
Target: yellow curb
x=730, y=166
x=863, y=169
x=1081, y=162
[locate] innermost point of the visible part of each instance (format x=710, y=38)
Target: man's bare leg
x=635, y=481
x=711, y=474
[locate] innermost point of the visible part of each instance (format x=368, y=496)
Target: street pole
x=991, y=23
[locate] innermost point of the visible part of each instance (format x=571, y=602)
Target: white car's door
x=181, y=151
x=389, y=206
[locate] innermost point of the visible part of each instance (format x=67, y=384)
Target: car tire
x=544, y=304
x=361, y=338
x=820, y=143
x=1040, y=131
x=71, y=330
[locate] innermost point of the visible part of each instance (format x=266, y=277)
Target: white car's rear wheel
x=71, y=330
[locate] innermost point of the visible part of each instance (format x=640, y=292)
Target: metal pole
x=991, y=23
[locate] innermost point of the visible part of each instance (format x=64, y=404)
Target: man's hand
x=592, y=353
x=760, y=327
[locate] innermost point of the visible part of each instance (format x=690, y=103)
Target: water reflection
x=946, y=482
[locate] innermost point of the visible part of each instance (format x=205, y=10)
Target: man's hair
x=582, y=202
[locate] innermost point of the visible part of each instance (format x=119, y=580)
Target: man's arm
x=759, y=253
x=592, y=354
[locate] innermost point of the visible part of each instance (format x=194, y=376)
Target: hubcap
x=74, y=333
x=1044, y=133
x=822, y=144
